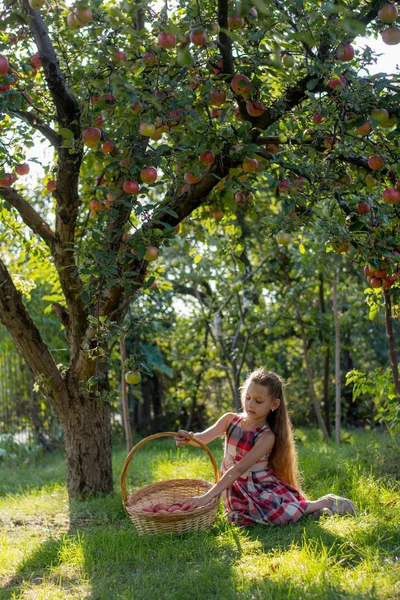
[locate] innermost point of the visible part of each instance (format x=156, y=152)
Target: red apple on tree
x=166, y=40
x=131, y=187
x=107, y=146
x=217, y=214
x=391, y=196
x=391, y=36
x=7, y=180
x=375, y=282
x=235, y=22
x=345, y=52
x=388, y=282
x=83, y=16
x=255, y=109
x=71, y=21
x=363, y=208
x=198, y=38
x=336, y=81
x=364, y=129
x=250, y=165
x=149, y=59
x=241, y=85
x=35, y=61
x=191, y=178
x=3, y=66
x=95, y=205
x=51, y=185
x=91, y=136
x=136, y=108
x=317, y=118
x=148, y=175
x=119, y=56
x=376, y=162
x=151, y=253
x=388, y=13
x=217, y=97
x=380, y=273
x=207, y=157
x=22, y=169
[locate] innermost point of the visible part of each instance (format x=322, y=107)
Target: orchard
x=165, y=114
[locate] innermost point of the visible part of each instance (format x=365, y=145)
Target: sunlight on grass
x=52, y=550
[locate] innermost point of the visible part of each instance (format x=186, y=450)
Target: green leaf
x=312, y=84
x=149, y=282
x=66, y=133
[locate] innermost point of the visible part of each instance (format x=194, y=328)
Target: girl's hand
x=195, y=502
x=184, y=437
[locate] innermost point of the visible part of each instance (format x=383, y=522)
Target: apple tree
x=154, y=110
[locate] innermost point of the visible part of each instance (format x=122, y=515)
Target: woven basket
x=174, y=490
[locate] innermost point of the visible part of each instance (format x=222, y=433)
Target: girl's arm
x=208, y=435
x=263, y=446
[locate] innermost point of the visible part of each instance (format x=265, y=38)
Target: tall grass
x=50, y=549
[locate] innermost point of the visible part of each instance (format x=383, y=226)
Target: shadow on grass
x=112, y=561
x=46, y=470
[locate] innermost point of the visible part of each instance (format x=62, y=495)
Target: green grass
x=50, y=550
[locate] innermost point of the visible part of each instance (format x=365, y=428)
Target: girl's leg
x=335, y=505
x=316, y=505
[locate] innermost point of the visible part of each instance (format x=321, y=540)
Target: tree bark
x=87, y=439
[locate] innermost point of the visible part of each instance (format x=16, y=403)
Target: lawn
x=52, y=550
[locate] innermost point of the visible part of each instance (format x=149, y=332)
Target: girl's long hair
x=283, y=457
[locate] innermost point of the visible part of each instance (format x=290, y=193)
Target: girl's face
x=258, y=402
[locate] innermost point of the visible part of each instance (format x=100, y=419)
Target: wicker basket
x=174, y=490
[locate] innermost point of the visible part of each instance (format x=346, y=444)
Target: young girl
x=258, y=481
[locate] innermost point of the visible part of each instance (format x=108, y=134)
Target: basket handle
x=154, y=437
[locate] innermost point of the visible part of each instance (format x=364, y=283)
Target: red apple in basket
x=148, y=509
x=175, y=507
x=160, y=508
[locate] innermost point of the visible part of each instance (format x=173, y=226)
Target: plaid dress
x=257, y=496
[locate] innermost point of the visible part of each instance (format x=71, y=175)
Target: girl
x=259, y=483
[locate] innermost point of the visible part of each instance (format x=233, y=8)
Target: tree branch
x=66, y=193
x=29, y=215
x=38, y=124
x=224, y=41
x=27, y=338
x=65, y=103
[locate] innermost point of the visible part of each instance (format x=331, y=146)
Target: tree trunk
x=337, y=357
x=390, y=340
x=87, y=439
x=314, y=399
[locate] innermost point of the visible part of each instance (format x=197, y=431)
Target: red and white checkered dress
x=257, y=496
